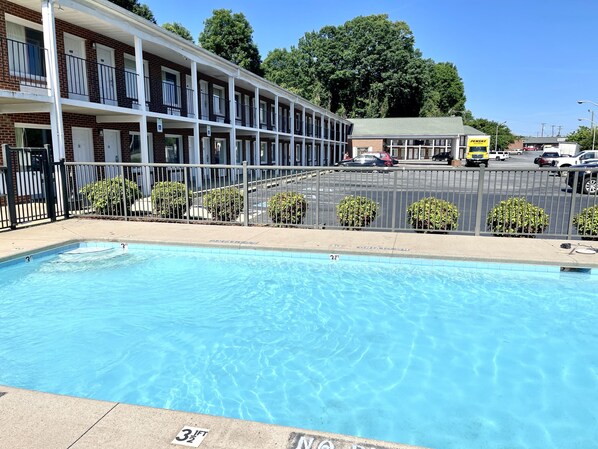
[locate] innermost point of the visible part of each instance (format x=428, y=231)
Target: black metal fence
x=521, y=202
x=32, y=187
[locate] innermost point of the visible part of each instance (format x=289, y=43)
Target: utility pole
x=552, y=132
x=542, y=133
x=559, y=133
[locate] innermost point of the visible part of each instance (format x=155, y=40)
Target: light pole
x=593, y=129
x=496, y=139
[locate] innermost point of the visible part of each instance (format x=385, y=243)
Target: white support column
x=258, y=144
x=313, y=137
x=322, y=149
x=292, y=132
x=277, y=152
x=276, y=124
x=233, y=122
x=303, y=150
x=256, y=107
x=196, y=134
x=144, y=147
x=140, y=73
x=303, y=121
x=56, y=123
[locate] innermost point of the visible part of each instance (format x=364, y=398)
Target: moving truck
x=477, y=151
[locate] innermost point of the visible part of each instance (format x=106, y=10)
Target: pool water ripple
x=446, y=357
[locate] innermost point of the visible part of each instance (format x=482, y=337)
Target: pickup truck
x=580, y=158
x=547, y=158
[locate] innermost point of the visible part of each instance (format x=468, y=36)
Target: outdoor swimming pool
x=433, y=353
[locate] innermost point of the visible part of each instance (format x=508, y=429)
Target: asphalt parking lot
x=395, y=189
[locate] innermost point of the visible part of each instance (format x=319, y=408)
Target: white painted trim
x=32, y=125
x=26, y=23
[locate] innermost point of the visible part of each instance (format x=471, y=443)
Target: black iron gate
x=32, y=187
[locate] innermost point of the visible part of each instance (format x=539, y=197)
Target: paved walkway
x=496, y=249
x=38, y=420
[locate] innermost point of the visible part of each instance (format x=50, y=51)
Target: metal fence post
x=10, y=189
x=186, y=178
x=478, y=211
x=317, y=198
x=63, y=185
x=245, y=195
x=394, y=201
x=572, y=204
x=124, y=185
x=50, y=192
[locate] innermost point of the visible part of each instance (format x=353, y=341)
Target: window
x=219, y=154
x=263, y=153
x=239, y=151
x=131, y=78
x=219, y=101
x=26, y=55
x=135, y=148
x=263, y=113
x=173, y=149
x=273, y=116
x=33, y=137
x=170, y=88
x=238, y=105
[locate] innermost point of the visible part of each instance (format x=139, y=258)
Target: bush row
x=512, y=217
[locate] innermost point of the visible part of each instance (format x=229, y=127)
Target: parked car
x=516, y=151
x=382, y=155
x=546, y=158
x=444, y=156
x=587, y=179
x=364, y=160
x=498, y=155
x=530, y=149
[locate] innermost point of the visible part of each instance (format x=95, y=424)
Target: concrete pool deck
x=31, y=419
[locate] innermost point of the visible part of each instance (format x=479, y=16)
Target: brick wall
x=375, y=144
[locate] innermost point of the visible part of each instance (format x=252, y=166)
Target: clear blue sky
x=526, y=62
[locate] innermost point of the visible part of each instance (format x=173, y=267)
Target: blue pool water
x=438, y=354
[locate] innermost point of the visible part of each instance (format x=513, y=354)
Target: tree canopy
x=367, y=67
x=134, y=6
x=231, y=36
x=505, y=136
x=179, y=29
x=445, y=94
x=584, y=136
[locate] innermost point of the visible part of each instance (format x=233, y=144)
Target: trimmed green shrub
x=356, y=211
x=433, y=214
x=106, y=196
x=224, y=204
x=169, y=199
x=586, y=222
x=287, y=208
x=515, y=217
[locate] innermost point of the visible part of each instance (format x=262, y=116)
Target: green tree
x=144, y=11
x=583, y=136
x=445, y=93
x=367, y=67
x=505, y=136
x=134, y=6
x=230, y=36
x=179, y=29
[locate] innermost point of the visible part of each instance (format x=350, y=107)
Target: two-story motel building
x=91, y=79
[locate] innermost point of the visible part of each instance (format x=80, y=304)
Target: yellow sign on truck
x=477, y=151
